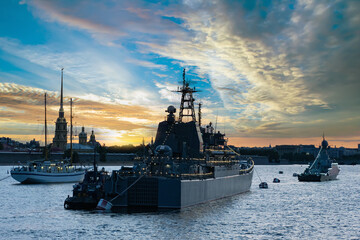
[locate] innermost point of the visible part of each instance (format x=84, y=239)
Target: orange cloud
x=22, y=109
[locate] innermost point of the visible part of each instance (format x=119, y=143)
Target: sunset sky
x=270, y=72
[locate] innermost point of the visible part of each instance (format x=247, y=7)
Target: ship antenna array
x=187, y=100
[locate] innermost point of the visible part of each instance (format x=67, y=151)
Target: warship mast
x=187, y=101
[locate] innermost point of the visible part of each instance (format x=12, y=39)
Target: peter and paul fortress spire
x=61, y=110
x=60, y=139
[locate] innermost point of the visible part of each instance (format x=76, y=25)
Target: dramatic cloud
x=269, y=69
x=108, y=22
x=277, y=63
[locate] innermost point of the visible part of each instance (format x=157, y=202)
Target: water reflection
x=288, y=209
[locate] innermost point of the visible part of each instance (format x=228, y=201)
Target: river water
x=287, y=210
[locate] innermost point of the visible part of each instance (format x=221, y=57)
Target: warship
x=186, y=165
x=322, y=169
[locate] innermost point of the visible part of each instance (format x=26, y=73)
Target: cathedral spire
x=61, y=111
x=60, y=138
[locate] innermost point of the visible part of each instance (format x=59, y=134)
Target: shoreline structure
x=117, y=159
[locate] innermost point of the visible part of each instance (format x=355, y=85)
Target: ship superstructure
x=186, y=165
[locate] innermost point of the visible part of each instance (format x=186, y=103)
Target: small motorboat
x=276, y=180
x=263, y=185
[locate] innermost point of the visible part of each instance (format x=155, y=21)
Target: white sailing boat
x=45, y=171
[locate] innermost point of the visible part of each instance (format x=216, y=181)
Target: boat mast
x=46, y=155
x=95, y=165
x=71, y=133
x=199, y=113
x=216, y=121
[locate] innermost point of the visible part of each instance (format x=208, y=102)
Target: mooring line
x=4, y=178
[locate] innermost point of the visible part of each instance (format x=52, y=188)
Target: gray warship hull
x=162, y=192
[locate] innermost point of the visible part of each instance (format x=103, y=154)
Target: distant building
x=83, y=137
x=335, y=152
x=81, y=148
x=350, y=151
x=283, y=149
x=92, y=140
x=308, y=149
x=4, y=140
x=12, y=145
x=33, y=144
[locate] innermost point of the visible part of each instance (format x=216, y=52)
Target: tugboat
x=87, y=193
x=187, y=165
x=45, y=171
x=322, y=169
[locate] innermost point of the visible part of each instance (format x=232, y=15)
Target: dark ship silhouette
x=322, y=169
x=186, y=165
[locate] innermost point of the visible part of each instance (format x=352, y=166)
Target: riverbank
x=112, y=159
x=118, y=159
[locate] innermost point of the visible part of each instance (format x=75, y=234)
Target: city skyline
x=270, y=72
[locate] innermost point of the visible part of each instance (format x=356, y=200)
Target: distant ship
x=45, y=171
x=322, y=169
x=186, y=165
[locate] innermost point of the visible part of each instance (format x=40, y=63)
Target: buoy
x=104, y=205
x=276, y=180
x=263, y=185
